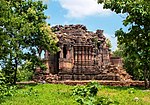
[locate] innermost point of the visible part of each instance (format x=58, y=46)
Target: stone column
x=61, y=57
x=68, y=54
x=83, y=54
x=87, y=58
x=80, y=55
x=81, y=58
x=88, y=50
x=90, y=53
x=75, y=54
x=61, y=51
x=92, y=59
x=77, y=51
x=47, y=61
x=72, y=54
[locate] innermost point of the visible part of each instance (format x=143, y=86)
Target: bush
x=90, y=89
x=3, y=86
x=25, y=72
x=24, y=75
x=5, y=89
x=87, y=95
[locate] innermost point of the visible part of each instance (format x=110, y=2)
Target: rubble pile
x=51, y=77
x=117, y=72
x=41, y=76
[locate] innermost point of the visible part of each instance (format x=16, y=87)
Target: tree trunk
x=149, y=82
x=146, y=77
x=149, y=77
x=15, y=72
x=146, y=71
x=146, y=83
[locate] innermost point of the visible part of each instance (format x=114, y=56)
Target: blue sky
x=86, y=12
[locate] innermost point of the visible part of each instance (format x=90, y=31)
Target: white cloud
x=82, y=8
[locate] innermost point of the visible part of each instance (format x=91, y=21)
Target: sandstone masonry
x=83, y=55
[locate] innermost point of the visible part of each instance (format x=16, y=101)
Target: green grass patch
x=59, y=94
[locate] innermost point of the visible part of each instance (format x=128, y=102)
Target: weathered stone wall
x=84, y=55
x=117, y=61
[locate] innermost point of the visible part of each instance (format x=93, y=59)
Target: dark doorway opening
x=64, y=51
x=57, y=62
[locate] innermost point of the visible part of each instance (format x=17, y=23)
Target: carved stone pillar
x=68, y=54
x=90, y=53
x=61, y=51
x=87, y=56
x=75, y=55
x=72, y=54
x=90, y=56
x=81, y=58
x=88, y=50
x=80, y=55
x=83, y=54
x=47, y=61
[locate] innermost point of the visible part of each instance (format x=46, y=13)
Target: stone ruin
x=83, y=55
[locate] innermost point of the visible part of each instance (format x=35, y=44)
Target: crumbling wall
x=84, y=55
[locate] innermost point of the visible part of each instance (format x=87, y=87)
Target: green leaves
x=23, y=30
x=90, y=89
x=87, y=95
x=136, y=41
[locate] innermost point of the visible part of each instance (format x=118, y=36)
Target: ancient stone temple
x=83, y=55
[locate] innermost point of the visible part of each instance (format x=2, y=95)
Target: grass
x=126, y=95
x=59, y=94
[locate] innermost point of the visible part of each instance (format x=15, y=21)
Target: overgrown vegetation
x=24, y=34
x=25, y=72
x=5, y=89
x=136, y=40
x=131, y=64
x=87, y=95
x=59, y=94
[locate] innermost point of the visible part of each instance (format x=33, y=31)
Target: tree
x=136, y=40
x=131, y=63
x=23, y=31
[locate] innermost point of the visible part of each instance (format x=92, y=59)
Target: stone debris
x=117, y=72
x=42, y=77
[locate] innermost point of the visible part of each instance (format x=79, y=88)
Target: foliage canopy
x=136, y=39
x=24, y=33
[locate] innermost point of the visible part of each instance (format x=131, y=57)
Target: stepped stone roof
x=74, y=34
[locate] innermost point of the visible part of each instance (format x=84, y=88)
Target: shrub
x=5, y=89
x=25, y=72
x=24, y=75
x=87, y=95
x=90, y=89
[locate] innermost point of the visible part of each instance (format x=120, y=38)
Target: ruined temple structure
x=83, y=55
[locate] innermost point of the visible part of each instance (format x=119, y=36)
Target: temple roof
x=78, y=34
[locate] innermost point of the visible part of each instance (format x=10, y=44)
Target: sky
x=85, y=12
